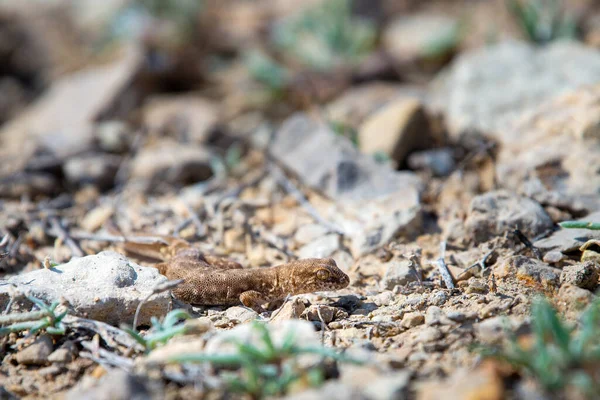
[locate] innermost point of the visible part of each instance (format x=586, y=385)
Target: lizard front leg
x=253, y=300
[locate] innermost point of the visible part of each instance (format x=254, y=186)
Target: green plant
x=266, y=71
x=265, y=369
x=34, y=321
x=560, y=356
x=325, y=36
x=160, y=332
x=223, y=165
x=342, y=129
x=543, y=21
x=580, y=225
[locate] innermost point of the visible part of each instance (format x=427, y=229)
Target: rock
x=484, y=382
x=584, y=275
x=433, y=315
x=384, y=298
x=439, y=161
x=552, y=153
x=438, y=298
x=322, y=247
x=64, y=354
x=309, y=232
x=113, y=136
x=575, y=296
x=488, y=89
x=177, y=346
x=241, y=314
x=353, y=106
x=398, y=273
x=412, y=38
x=569, y=240
x=553, y=257
x=494, y=213
x=291, y=310
x=392, y=386
x=98, y=169
x=62, y=120
x=332, y=390
x=428, y=335
x=476, y=286
x=412, y=319
x=173, y=163
x=396, y=129
x=96, y=217
x=105, y=287
x=117, y=384
x=37, y=352
x=187, y=118
x=302, y=333
x=377, y=202
x=234, y=239
x=530, y=270
x=493, y=330
x=317, y=312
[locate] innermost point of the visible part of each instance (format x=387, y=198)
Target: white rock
x=106, y=287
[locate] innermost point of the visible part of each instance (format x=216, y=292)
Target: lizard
x=210, y=280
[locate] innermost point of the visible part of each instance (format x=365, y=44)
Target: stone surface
x=568, y=240
x=482, y=383
x=395, y=130
x=321, y=247
x=488, y=89
x=378, y=202
x=171, y=162
x=61, y=121
x=106, y=287
x=354, y=105
x=317, y=312
x=309, y=232
x=392, y=386
x=574, y=296
x=117, y=384
x=410, y=38
x=553, y=153
x=37, y=352
x=439, y=161
x=494, y=213
x=241, y=314
x=530, y=270
x=398, y=272
x=185, y=117
x=584, y=275
x=412, y=319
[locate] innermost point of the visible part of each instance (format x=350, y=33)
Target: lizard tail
x=156, y=247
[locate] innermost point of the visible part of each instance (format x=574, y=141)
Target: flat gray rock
x=494, y=213
x=374, y=201
x=488, y=89
x=105, y=287
x=566, y=240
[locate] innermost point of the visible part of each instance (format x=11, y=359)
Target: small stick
x=289, y=187
x=443, y=269
x=118, y=239
x=64, y=236
x=200, y=227
x=595, y=226
x=523, y=239
x=480, y=263
x=157, y=289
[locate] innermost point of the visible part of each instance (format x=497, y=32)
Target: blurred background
x=90, y=77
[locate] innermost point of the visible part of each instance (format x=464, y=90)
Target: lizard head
x=319, y=274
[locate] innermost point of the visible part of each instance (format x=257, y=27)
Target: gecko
x=210, y=280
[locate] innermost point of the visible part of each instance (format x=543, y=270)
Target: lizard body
x=211, y=280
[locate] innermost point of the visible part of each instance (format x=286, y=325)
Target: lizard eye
x=323, y=274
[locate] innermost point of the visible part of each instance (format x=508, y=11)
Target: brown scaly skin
x=211, y=280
